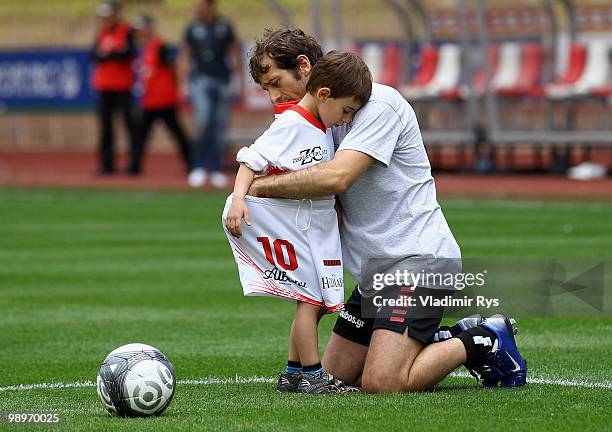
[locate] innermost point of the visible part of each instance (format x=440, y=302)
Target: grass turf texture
x=83, y=272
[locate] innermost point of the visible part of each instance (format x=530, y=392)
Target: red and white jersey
x=292, y=248
x=291, y=251
x=296, y=140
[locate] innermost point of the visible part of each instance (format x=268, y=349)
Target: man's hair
x=108, y=8
x=344, y=73
x=283, y=45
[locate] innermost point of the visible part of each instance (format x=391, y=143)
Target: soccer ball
x=136, y=380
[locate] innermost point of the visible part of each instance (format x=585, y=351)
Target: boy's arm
x=244, y=179
x=238, y=210
x=324, y=179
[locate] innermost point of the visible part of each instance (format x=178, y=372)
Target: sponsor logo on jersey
x=332, y=282
x=350, y=318
x=281, y=276
x=307, y=156
x=332, y=263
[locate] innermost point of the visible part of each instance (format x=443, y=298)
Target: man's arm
x=165, y=55
x=328, y=178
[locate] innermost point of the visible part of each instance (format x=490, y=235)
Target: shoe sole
x=517, y=379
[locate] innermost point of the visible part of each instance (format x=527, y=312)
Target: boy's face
x=282, y=84
x=336, y=111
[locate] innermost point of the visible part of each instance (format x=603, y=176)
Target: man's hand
x=237, y=212
x=102, y=53
x=184, y=92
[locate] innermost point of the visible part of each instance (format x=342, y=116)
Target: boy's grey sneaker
x=322, y=383
x=288, y=382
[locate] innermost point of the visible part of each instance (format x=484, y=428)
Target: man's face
x=203, y=9
x=110, y=21
x=282, y=84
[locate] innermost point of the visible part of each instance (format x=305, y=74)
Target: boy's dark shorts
x=420, y=323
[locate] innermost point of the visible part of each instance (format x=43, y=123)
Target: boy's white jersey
x=295, y=140
x=292, y=249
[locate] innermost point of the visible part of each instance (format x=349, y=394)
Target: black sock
x=455, y=330
x=293, y=366
x=312, y=369
x=478, y=341
x=446, y=332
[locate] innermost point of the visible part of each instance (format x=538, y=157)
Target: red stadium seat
x=479, y=83
x=427, y=66
x=528, y=82
x=575, y=66
x=372, y=54
x=445, y=79
x=596, y=70
x=574, y=70
x=508, y=68
x=384, y=61
x=480, y=78
x=603, y=92
x=391, y=74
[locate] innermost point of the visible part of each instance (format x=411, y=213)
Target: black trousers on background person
x=170, y=118
x=108, y=103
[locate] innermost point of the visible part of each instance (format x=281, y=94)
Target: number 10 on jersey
x=285, y=259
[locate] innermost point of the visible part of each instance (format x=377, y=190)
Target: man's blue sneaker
x=469, y=322
x=504, y=362
x=477, y=319
x=445, y=333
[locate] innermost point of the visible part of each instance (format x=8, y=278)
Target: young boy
x=291, y=249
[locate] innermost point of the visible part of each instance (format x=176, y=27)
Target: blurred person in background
x=113, y=55
x=159, y=92
x=205, y=73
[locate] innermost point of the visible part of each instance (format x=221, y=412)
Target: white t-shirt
x=391, y=211
x=296, y=140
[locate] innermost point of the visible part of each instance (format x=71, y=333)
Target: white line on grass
x=201, y=381
x=553, y=381
x=47, y=386
x=257, y=379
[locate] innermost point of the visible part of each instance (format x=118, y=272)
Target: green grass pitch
x=82, y=272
